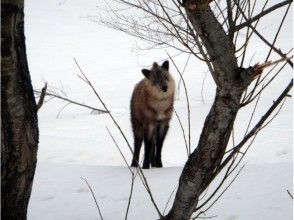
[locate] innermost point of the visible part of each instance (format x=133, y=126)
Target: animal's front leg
x=149, y=141
x=162, y=129
x=137, y=146
x=153, y=162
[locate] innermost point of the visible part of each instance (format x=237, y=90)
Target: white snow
x=76, y=144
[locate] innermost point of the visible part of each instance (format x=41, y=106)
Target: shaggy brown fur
x=151, y=110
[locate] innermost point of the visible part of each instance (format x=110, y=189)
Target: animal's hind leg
x=162, y=129
x=137, y=147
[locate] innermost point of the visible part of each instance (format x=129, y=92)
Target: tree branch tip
x=42, y=97
x=290, y=194
x=257, y=69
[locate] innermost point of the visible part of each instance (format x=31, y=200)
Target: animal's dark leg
x=148, y=147
x=152, y=156
x=149, y=141
x=162, y=129
x=137, y=147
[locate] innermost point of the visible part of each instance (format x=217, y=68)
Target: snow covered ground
x=76, y=144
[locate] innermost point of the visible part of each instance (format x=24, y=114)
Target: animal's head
x=158, y=75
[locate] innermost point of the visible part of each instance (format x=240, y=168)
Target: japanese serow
x=151, y=110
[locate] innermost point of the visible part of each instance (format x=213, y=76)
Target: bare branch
x=291, y=196
x=262, y=14
x=265, y=41
x=42, y=97
x=71, y=101
x=188, y=104
x=121, y=153
x=230, y=19
x=58, y=114
x=227, y=187
x=202, y=87
x=168, y=200
x=94, y=197
x=257, y=126
x=183, y=132
x=278, y=31
x=130, y=196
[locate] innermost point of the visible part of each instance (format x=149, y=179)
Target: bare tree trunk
x=19, y=124
x=231, y=82
x=207, y=156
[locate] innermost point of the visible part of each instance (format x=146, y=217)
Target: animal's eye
x=165, y=77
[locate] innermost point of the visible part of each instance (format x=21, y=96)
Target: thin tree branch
x=265, y=41
x=265, y=12
x=257, y=126
x=71, y=101
x=99, y=211
x=188, y=104
x=291, y=196
x=169, y=200
x=121, y=153
x=278, y=31
x=222, y=191
x=42, y=97
x=183, y=132
x=130, y=196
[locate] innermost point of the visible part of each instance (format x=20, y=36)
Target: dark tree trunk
x=231, y=82
x=19, y=124
x=204, y=160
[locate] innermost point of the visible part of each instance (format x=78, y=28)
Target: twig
x=289, y=194
x=267, y=11
x=278, y=31
x=188, y=104
x=93, y=197
x=58, y=114
x=252, y=114
x=130, y=196
x=169, y=198
x=231, y=182
x=202, y=87
x=264, y=40
x=256, y=128
x=42, y=97
x=121, y=153
x=179, y=83
x=183, y=132
x=72, y=102
x=132, y=174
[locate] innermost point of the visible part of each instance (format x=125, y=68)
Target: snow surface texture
x=76, y=144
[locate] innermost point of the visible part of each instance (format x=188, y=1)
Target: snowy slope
x=77, y=144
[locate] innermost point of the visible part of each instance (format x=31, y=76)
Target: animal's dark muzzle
x=164, y=88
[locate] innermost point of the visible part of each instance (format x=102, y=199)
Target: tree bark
x=207, y=156
x=19, y=124
x=231, y=82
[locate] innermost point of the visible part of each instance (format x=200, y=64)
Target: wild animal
x=151, y=110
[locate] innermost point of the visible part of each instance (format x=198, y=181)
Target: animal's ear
x=146, y=73
x=165, y=65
